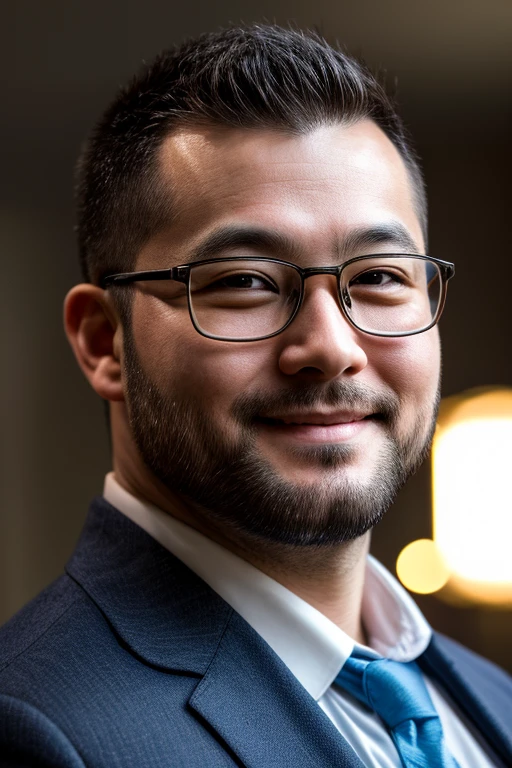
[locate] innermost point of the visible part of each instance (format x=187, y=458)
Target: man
x=260, y=314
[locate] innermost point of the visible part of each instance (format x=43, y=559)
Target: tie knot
x=394, y=690
x=397, y=693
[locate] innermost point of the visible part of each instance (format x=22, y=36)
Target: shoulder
x=52, y=643
x=473, y=680
x=28, y=737
x=66, y=677
x=29, y=625
x=58, y=642
x=37, y=675
x=468, y=661
x=73, y=691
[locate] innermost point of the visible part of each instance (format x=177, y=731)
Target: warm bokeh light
x=472, y=500
x=421, y=568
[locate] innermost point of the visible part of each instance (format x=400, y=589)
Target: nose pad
x=347, y=301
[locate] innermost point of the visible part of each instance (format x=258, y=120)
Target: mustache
x=336, y=395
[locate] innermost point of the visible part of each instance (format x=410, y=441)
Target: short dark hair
x=258, y=76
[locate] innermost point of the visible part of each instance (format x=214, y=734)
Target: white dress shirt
x=312, y=646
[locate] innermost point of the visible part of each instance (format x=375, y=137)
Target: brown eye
x=244, y=281
x=376, y=277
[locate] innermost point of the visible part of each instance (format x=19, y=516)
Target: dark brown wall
x=62, y=62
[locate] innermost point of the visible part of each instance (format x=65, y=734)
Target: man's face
x=303, y=438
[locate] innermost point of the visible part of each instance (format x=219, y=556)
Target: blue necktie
x=397, y=693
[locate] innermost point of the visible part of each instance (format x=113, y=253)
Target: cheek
x=181, y=362
x=411, y=367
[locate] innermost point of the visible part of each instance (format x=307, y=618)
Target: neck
x=331, y=579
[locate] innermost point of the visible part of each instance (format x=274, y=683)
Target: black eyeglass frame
x=182, y=272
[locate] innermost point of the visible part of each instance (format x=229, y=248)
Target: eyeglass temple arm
x=123, y=278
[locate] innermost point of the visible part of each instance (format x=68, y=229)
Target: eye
x=243, y=281
x=378, y=277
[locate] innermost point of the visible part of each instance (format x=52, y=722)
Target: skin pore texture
x=287, y=450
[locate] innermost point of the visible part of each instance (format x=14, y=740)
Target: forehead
x=315, y=188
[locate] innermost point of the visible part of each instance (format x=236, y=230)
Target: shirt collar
x=311, y=646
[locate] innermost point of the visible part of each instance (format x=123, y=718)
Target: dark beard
x=240, y=490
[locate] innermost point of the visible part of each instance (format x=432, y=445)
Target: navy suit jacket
x=130, y=659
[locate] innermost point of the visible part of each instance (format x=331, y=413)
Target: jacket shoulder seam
x=27, y=647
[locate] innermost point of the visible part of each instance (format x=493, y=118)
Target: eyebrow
x=279, y=245
x=231, y=237
x=394, y=234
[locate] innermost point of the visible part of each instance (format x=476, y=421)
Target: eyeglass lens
x=248, y=299
x=392, y=295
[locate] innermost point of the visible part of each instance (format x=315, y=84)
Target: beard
x=229, y=480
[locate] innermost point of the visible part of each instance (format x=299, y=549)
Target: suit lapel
x=163, y=612
x=171, y=619
x=480, y=689
x=262, y=712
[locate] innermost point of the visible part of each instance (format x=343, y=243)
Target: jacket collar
x=258, y=707
x=171, y=619
x=164, y=612
x=481, y=690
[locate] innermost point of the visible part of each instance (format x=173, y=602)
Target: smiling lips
x=316, y=427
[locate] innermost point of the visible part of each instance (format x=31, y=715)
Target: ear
x=95, y=334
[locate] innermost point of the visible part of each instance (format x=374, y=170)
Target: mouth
x=320, y=428
x=318, y=419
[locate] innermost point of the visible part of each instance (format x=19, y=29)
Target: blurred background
x=451, y=63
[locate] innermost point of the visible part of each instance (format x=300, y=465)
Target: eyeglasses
x=250, y=299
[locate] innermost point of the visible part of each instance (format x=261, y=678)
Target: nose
x=320, y=342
